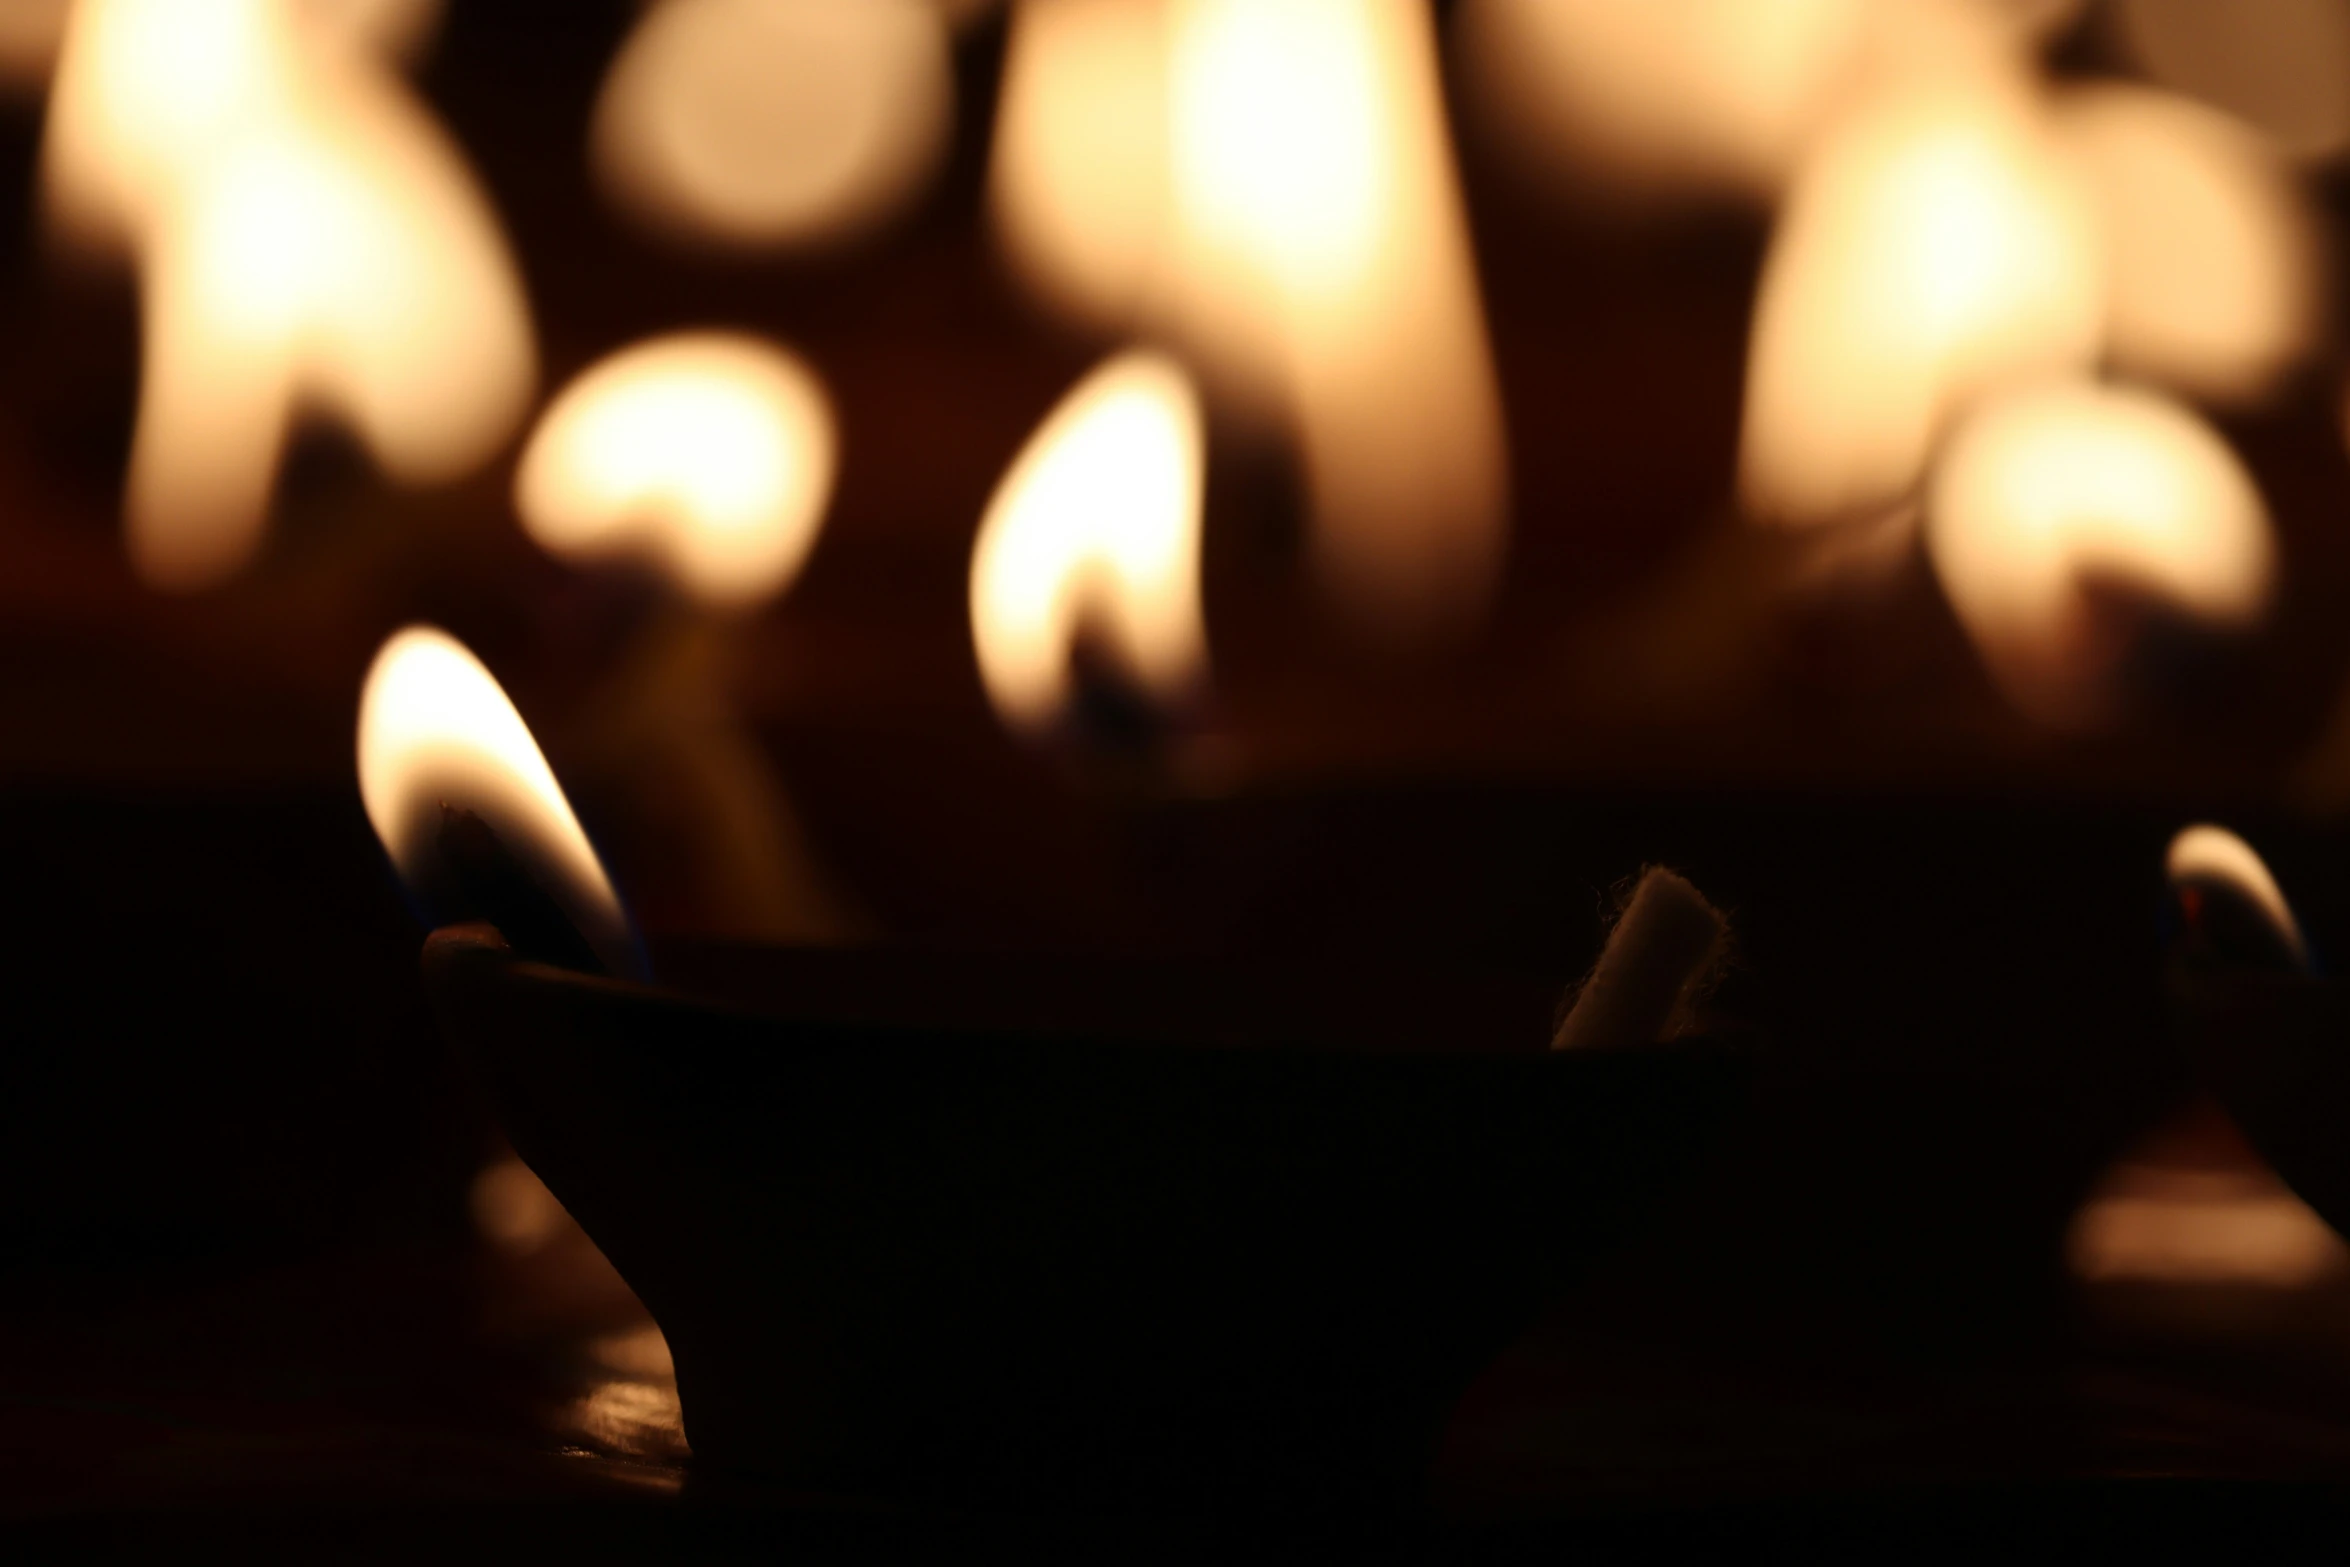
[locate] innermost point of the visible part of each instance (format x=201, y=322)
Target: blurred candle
x=435, y=730
x=709, y=458
x=306, y=239
x=1095, y=528
x=1270, y=183
x=2213, y=282
x=2047, y=491
x=1935, y=245
x=775, y=123
x=711, y=454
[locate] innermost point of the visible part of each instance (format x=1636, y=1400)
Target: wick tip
x=1664, y=953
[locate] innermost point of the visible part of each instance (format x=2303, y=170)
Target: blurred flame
x=1935, y=245
x=712, y=453
x=1079, y=187
x=2213, y=854
x=1703, y=94
x=305, y=236
x=1096, y=525
x=2212, y=273
x=1270, y=182
x=775, y=122
x=435, y=728
x=2280, y=65
x=2043, y=490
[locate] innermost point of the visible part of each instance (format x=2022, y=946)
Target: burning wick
x=1666, y=949
x=1085, y=576
x=472, y=817
x=2230, y=906
x=506, y=895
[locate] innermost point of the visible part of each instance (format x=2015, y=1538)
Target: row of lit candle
x=1962, y=258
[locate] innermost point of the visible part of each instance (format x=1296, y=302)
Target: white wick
x=1664, y=950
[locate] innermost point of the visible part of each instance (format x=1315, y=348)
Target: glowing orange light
x=1097, y=523
x=775, y=122
x=306, y=239
x=2044, y=490
x=711, y=453
x=2205, y=853
x=1269, y=181
x=436, y=729
x=2213, y=283
x=1936, y=245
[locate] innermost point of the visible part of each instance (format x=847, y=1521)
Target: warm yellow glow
x=1096, y=526
x=435, y=728
x=2212, y=282
x=1935, y=245
x=775, y=122
x=1269, y=182
x=2049, y=489
x=2214, y=854
x=1277, y=136
x=2280, y=65
x=2212, y=1228
x=709, y=453
x=1079, y=185
x=1670, y=94
x=306, y=239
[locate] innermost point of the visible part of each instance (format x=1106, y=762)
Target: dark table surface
x=252, y=1299
x=506, y=1398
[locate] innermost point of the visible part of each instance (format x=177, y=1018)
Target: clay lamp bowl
x=1075, y=1233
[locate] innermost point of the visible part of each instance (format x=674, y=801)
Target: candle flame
x=2213, y=280
x=710, y=453
x=775, y=122
x=1096, y=525
x=1270, y=183
x=1935, y=245
x=2205, y=853
x=305, y=238
x=2045, y=488
x=435, y=729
